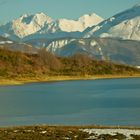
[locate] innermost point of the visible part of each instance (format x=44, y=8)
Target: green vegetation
x=19, y=65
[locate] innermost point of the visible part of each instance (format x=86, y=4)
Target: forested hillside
x=16, y=64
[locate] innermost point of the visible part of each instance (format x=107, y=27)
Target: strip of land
x=19, y=81
x=69, y=132
x=19, y=68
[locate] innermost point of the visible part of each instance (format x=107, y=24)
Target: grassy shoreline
x=19, y=81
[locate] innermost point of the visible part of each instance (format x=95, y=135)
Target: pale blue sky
x=71, y=9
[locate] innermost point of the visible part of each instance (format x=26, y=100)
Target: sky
x=71, y=9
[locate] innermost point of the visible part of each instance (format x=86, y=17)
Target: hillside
x=115, y=50
x=19, y=65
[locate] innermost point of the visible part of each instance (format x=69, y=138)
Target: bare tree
x=48, y=59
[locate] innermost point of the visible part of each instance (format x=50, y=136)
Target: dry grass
x=18, y=81
x=56, y=133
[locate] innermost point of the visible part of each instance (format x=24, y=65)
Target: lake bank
x=69, y=132
x=19, y=81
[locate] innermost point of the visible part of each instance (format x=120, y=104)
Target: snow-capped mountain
x=125, y=25
x=41, y=24
x=25, y=25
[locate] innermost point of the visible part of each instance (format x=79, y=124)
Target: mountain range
x=41, y=25
x=115, y=39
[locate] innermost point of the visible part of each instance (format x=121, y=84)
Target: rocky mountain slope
x=116, y=50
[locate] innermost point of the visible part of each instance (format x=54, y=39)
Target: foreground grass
x=67, y=132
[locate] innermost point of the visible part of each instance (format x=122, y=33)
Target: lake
x=83, y=102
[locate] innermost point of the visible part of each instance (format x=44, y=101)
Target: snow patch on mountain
x=93, y=43
x=70, y=25
x=58, y=44
x=5, y=42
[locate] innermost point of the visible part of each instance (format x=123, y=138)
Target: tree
x=48, y=59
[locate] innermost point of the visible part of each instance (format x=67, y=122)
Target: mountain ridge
x=124, y=25
x=40, y=23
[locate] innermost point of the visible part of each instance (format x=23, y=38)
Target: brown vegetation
x=16, y=64
x=56, y=133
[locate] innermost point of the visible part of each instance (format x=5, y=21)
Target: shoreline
x=73, y=126
x=21, y=81
x=69, y=132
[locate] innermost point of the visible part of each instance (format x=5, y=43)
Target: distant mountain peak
x=90, y=19
x=27, y=24
x=91, y=15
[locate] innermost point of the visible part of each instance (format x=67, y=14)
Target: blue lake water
x=101, y=102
